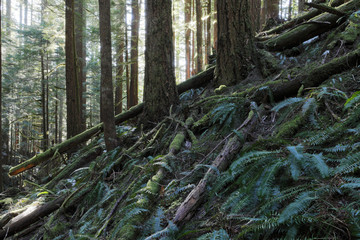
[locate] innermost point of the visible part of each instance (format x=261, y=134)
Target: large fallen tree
x=314, y=27
x=196, y=81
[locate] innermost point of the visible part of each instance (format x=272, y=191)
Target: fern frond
x=338, y=148
x=301, y=203
x=348, y=164
x=320, y=164
x=169, y=231
x=286, y=102
x=216, y=235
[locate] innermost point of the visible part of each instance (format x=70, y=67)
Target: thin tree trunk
x=44, y=144
x=187, y=37
x=215, y=26
x=1, y=132
x=26, y=5
x=134, y=53
x=289, y=10
x=199, y=41
x=107, y=99
x=208, y=33
x=56, y=116
x=127, y=70
x=120, y=59
x=80, y=24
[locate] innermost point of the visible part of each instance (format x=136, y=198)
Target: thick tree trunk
x=106, y=88
x=1, y=132
x=160, y=91
x=187, y=37
x=73, y=102
x=317, y=26
x=235, y=53
x=301, y=5
x=208, y=32
x=255, y=14
x=134, y=72
x=199, y=41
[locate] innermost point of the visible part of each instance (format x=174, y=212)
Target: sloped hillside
x=274, y=157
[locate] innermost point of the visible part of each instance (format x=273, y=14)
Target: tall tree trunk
x=1, y=139
x=26, y=5
x=215, y=26
x=73, y=103
x=208, y=32
x=271, y=9
x=160, y=91
x=61, y=117
x=56, y=116
x=107, y=99
x=199, y=40
x=8, y=18
x=290, y=10
x=121, y=31
x=188, y=37
x=235, y=43
x=127, y=70
x=44, y=129
x=80, y=43
x=134, y=79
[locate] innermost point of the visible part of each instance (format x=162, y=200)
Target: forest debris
x=325, y=8
x=311, y=14
x=305, y=32
x=222, y=161
x=193, y=82
x=29, y=217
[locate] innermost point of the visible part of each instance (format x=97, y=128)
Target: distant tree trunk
x=26, y=5
x=61, y=116
x=235, y=44
x=208, y=32
x=73, y=103
x=160, y=86
x=80, y=45
x=134, y=53
x=107, y=99
x=301, y=4
x=21, y=15
x=271, y=9
x=44, y=129
x=290, y=10
x=127, y=70
x=121, y=31
x=188, y=37
x=8, y=18
x=215, y=26
x=199, y=40
x=56, y=116
x=1, y=139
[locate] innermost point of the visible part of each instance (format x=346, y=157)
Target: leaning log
x=196, y=81
x=27, y=218
x=305, y=32
x=302, y=18
x=313, y=78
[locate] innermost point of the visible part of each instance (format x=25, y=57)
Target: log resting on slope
x=305, y=32
x=196, y=81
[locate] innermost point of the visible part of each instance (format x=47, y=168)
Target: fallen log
x=27, y=218
x=289, y=24
x=325, y=8
x=305, y=32
x=221, y=163
x=196, y=81
x=312, y=78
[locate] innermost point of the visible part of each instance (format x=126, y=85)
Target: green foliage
x=219, y=234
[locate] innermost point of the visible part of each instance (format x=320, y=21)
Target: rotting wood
x=289, y=24
x=25, y=219
x=221, y=163
x=305, y=32
x=196, y=81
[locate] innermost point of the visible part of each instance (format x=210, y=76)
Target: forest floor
x=274, y=157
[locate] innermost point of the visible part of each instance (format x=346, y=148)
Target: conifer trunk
x=160, y=86
x=1, y=140
x=107, y=99
x=188, y=37
x=199, y=40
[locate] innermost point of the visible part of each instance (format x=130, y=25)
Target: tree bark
x=199, y=41
x=159, y=85
x=73, y=93
x=134, y=71
x=187, y=37
x=120, y=46
x=1, y=132
x=305, y=32
x=255, y=14
x=106, y=88
x=208, y=32
x=235, y=53
x=301, y=5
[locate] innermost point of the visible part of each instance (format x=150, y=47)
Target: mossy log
x=302, y=18
x=221, y=163
x=27, y=218
x=314, y=28
x=312, y=78
x=196, y=81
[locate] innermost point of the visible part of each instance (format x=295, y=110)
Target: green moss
x=350, y=34
x=220, y=89
x=203, y=122
x=291, y=127
x=177, y=142
x=269, y=144
x=189, y=121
